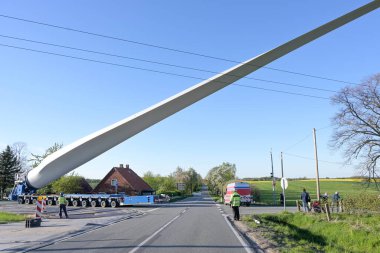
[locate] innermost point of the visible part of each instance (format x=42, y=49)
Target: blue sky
x=47, y=99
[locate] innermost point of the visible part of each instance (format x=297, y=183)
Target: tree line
x=190, y=179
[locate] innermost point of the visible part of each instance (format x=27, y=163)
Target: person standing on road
x=305, y=197
x=235, y=203
x=62, y=201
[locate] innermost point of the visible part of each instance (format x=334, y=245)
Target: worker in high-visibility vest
x=235, y=203
x=62, y=201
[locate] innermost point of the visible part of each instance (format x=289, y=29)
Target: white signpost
x=284, y=186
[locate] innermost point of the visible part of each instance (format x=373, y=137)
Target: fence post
x=328, y=212
x=298, y=206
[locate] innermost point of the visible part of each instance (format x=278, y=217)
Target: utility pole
x=316, y=164
x=282, y=179
x=273, y=180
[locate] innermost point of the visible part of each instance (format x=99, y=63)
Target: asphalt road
x=193, y=225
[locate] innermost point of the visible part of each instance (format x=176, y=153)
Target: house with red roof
x=123, y=179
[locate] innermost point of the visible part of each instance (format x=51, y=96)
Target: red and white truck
x=244, y=190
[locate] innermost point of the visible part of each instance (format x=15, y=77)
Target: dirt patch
x=257, y=236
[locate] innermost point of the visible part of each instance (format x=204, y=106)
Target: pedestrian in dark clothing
x=305, y=197
x=62, y=201
x=281, y=198
x=235, y=203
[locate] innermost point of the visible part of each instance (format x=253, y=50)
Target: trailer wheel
x=94, y=203
x=34, y=201
x=247, y=203
x=103, y=203
x=21, y=201
x=113, y=203
x=50, y=202
x=84, y=203
x=75, y=203
x=27, y=201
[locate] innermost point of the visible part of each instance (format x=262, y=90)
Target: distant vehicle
x=244, y=190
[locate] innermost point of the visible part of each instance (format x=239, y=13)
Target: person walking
x=62, y=201
x=235, y=203
x=305, y=197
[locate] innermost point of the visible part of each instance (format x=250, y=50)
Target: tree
x=218, y=176
x=9, y=166
x=19, y=149
x=357, y=125
x=72, y=183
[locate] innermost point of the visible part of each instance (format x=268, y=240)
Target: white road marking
x=151, y=210
x=242, y=242
x=155, y=233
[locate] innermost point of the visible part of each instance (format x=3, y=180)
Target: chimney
x=127, y=166
x=121, y=165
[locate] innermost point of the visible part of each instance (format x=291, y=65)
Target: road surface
x=193, y=225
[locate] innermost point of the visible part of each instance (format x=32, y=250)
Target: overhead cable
x=160, y=63
x=150, y=70
x=165, y=48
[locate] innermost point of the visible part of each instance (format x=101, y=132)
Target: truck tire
x=94, y=203
x=114, y=203
x=84, y=203
x=75, y=203
x=50, y=202
x=103, y=203
x=247, y=203
x=27, y=201
x=34, y=201
x=21, y=201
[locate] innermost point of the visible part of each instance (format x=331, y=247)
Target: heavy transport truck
x=83, y=150
x=20, y=194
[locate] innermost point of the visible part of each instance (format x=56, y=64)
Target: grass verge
x=299, y=232
x=10, y=217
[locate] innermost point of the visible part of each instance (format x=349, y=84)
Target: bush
x=256, y=194
x=361, y=204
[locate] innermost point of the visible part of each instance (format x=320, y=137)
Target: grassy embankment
x=10, y=217
x=345, y=187
x=299, y=232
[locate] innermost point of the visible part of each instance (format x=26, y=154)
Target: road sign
x=284, y=183
x=181, y=186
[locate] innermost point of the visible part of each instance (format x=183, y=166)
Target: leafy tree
x=357, y=125
x=167, y=184
x=69, y=184
x=9, y=166
x=218, y=176
x=152, y=180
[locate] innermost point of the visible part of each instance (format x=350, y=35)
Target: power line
x=166, y=48
x=150, y=70
x=309, y=158
x=298, y=142
x=161, y=63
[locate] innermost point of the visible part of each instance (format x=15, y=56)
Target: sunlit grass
x=11, y=217
x=299, y=232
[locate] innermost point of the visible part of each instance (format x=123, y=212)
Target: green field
x=345, y=187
